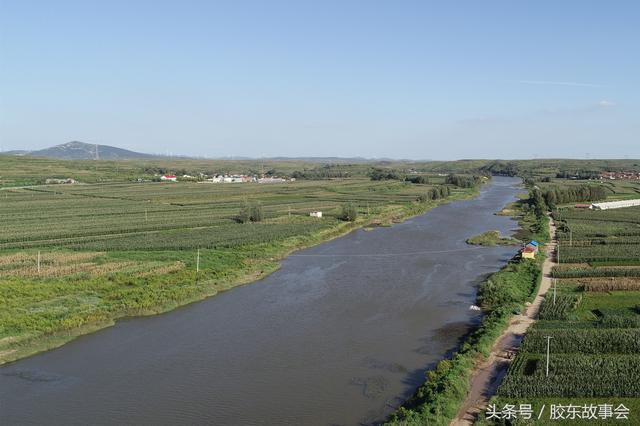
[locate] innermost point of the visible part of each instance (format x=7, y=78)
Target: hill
x=83, y=151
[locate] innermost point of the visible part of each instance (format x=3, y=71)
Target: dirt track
x=487, y=376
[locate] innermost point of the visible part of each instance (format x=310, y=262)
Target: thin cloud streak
x=560, y=83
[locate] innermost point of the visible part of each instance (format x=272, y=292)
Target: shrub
x=250, y=213
x=349, y=212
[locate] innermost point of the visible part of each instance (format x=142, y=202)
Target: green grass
x=492, y=238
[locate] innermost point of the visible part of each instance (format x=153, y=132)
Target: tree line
x=328, y=171
x=436, y=193
x=575, y=193
x=461, y=181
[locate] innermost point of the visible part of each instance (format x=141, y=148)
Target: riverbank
x=487, y=376
x=440, y=398
x=221, y=271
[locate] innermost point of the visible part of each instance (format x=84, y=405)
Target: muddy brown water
x=340, y=335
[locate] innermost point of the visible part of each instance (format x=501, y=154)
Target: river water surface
x=340, y=335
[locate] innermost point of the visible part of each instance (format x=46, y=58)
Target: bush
x=417, y=179
x=250, y=213
x=436, y=193
x=349, y=212
x=423, y=198
x=386, y=174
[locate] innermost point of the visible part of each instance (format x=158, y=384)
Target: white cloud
x=560, y=83
x=606, y=104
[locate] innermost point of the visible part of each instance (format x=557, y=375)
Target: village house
x=236, y=179
x=230, y=179
x=53, y=181
x=529, y=251
x=271, y=180
x=214, y=179
x=316, y=214
x=168, y=178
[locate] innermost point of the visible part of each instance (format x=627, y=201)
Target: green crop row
x=559, y=309
x=573, y=375
x=586, y=341
x=584, y=272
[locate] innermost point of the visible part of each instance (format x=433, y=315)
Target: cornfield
x=564, y=305
x=585, y=341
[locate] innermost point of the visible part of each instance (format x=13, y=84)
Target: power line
x=413, y=253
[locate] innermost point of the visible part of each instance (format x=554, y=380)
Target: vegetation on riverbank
x=439, y=399
x=492, y=238
x=77, y=258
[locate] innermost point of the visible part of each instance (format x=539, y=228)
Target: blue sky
x=401, y=79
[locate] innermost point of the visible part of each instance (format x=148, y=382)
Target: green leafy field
x=594, y=324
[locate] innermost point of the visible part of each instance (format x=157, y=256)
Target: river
x=340, y=335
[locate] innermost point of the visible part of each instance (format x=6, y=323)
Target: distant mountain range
x=83, y=151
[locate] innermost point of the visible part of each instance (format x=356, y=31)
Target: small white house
x=170, y=178
x=315, y=214
x=214, y=179
x=271, y=180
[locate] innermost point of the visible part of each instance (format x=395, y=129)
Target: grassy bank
x=439, y=399
x=79, y=291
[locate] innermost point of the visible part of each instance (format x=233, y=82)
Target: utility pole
x=289, y=212
x=198, y=262
x=146, y=216
x=570, y=238
x=38, y=261
x=548, y=344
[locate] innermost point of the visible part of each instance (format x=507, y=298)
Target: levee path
x=488, y=375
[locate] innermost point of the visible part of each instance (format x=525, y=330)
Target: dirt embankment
x=488, y=375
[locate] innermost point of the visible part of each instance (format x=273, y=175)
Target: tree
x=349, y=212
x=537, y=200
x=462, y=181
x=417, y=179
x=250, y=212
x=385, y=174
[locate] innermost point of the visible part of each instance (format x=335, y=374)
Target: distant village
x=620, y=175
x=243, y=178
x=227, y=179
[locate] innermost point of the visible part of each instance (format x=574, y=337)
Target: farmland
x=593, y=323
x=74, y=258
